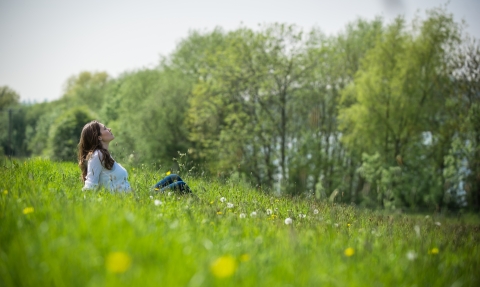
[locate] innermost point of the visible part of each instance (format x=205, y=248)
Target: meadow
x=53, y=234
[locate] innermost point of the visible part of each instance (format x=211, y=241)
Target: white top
x=98, y=176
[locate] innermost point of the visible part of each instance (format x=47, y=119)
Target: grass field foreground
x=53, y=234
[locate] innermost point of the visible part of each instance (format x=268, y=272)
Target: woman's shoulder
x=95, y=154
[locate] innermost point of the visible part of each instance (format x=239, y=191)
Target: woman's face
x=105, y=134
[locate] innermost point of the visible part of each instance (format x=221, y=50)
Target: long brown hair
x=88, y=144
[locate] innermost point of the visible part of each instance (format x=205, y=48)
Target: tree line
x=381, y=114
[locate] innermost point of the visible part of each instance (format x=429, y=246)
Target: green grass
x=69, y=238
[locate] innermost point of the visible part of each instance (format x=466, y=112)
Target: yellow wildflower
x=28, y=210
x=433, y=251
x=244, y=257
x=118, y=262
x=219, y=212
x=224, y=267
x=5, y=192
x=211, y=202
x=168, y=173
x=348, y=225
x=349, y=251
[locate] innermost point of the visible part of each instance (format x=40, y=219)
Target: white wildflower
x=242, y=215
x=438, y=223
x=427, y=216
x=288, y=221
x=157, y=202
x=315, y=211
x=151, y=197
x=417, y=230
x=411, y=255
x=301, y=215
x=170, y=193
x=229, y=205
x=269, y=211
x=223, y=199
x=253, y=214
x=335, y=224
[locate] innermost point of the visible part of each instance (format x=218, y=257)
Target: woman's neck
x=105, y=145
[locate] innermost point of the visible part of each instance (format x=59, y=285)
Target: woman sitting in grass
x=100, y=170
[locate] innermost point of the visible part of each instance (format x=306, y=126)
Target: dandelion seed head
x=242, y=215
x=157, y=202
x=288, y=221
x=438, y=223
x=269, y=211
x=229, y=205
x=417, y=230
x=151, y=197
x=315, y=211
x=411, y=255
x=223, y=199
x=253, y=214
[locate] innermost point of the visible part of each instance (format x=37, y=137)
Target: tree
x=398, y=97
x=64, y=134
x=86, y=88
x=8, y=99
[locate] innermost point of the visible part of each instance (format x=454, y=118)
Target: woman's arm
x=93, y=171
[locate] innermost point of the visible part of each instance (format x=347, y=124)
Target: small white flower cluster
x=417, y=230
x=411, y=255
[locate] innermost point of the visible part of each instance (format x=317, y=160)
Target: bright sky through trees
x=46, y=41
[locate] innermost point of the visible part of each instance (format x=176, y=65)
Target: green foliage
x=8, y=97
x=55, y=234
x=292, y=112
x=65, y=133
x=86, y=89
x=400, y=95
x=153, y=131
